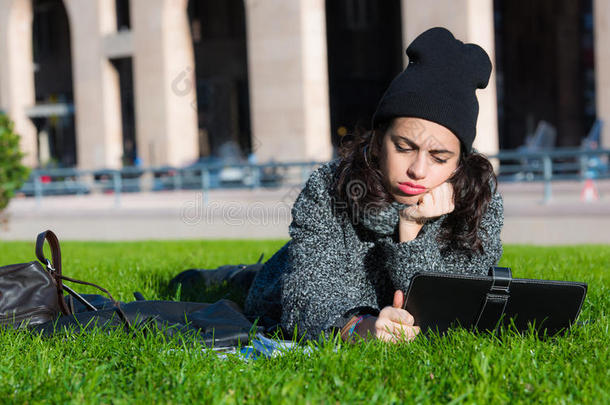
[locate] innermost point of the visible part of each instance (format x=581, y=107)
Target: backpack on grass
x=32, y=298
x=33, y=293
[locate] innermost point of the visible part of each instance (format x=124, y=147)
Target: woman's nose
x=417, y=169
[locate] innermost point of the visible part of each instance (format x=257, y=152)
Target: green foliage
x=12, y=173
x=460, y=367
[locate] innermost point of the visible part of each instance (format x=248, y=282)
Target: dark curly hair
x=472, y=183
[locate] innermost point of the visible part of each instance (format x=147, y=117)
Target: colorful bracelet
x=355, y=324
x=350, y=327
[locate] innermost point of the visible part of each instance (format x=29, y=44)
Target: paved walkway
x=266, y=214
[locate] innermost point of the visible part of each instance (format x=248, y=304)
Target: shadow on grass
x=195, y=287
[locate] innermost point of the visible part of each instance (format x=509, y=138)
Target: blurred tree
x=12, y=172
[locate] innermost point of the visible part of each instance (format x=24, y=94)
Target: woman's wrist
x=408, y=229
x=367, y=326
x=355, y=327
x=348, y=328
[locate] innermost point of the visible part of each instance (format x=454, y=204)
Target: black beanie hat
x=439, y=84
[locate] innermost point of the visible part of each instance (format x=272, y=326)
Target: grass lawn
x=458, y=368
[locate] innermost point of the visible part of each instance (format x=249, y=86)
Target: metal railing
x=539, y=166
x=567, y=164
x=202, y=177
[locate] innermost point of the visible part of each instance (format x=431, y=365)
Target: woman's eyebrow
x=441, y=151
x=414, y=145
x=407, y=140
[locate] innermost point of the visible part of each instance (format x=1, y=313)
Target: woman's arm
x=423, y=253
x=319, y=289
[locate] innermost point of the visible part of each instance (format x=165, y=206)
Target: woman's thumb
x=399, y=299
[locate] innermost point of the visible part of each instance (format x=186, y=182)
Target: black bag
x=220, y=324
x=31, y=294
x=28, y=295
x=438, y=301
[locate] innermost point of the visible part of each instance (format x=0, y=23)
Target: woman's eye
x=408, y=149
x=401, y=149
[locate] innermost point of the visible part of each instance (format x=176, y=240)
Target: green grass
x=458, y=368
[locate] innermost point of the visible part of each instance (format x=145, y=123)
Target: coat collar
x=384, y=221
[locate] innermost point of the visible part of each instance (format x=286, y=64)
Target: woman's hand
x=393, y=324
x=433, y=203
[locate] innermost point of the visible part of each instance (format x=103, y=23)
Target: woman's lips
x=410, y=188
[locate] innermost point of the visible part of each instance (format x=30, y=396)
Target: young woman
x=409, y=196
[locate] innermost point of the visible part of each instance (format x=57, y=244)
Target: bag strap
x=54, y=268
x=116, y=304
x=496, y=299
x=50, y=237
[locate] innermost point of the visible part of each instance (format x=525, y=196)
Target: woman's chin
x=407, y=199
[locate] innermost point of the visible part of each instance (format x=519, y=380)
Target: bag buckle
x=49, y=265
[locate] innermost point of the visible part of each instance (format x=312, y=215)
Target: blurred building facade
x=109, y=83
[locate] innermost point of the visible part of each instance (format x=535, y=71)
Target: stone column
x=17, y=73
x=97, y=102
x=601, y=35
x=288, y=75
x=164, y=80
x=469, y=21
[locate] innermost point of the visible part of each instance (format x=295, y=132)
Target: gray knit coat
x=333, y=268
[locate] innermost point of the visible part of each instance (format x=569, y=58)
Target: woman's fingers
x=399, y=299
x=396, y=315
x=398, y=333
x=434, y=203
x=448, y=198
x=437, y=201
x=428, y=200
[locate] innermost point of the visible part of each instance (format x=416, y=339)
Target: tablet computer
x=439, y=301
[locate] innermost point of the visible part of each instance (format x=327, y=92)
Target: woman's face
x=416, y=156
